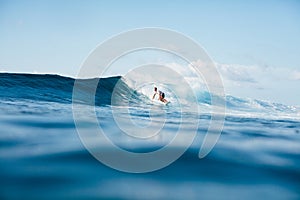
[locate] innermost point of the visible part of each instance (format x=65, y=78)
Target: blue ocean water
x=42, y=156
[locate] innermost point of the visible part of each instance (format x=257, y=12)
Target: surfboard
x=158, y=102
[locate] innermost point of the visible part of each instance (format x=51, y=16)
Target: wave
x=52, y=88
x=59, y=89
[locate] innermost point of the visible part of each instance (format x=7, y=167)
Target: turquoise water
x=42, y=156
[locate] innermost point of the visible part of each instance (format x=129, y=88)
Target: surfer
x=161, y=95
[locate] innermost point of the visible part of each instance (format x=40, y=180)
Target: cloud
x=255, y=74
x=277, y=84
x=238, y=73
x=295, y=75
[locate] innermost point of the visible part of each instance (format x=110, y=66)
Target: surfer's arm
x=153, y=95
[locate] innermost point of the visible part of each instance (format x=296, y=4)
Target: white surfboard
x=158, y=102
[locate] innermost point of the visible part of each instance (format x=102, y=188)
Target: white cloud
x=256, y=74
x=295, y=75
x=239, y=73
x=261, y=82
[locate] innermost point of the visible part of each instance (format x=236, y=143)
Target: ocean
x=42, y=155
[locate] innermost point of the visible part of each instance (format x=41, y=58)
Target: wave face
x=51, y=88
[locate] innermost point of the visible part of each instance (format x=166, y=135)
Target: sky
x=255, y=44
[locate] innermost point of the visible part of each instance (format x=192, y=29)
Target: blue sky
x=56, y=36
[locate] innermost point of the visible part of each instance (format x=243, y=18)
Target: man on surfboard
x=161, y=95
